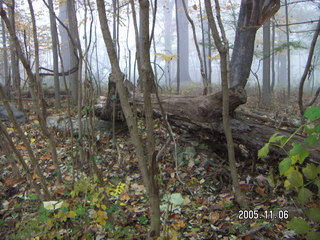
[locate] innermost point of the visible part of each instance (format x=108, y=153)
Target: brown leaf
x=214, y=216
x=20, y=147
x=179, y=224
x=46, y=156
x=260, y=190
x=11, y=181
x=60, y=191
x=52, y=168
x=35, y=177
x=125, y=197
x=68, y=178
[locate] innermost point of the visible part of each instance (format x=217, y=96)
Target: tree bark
x=15, y=73
x=183, y=43
x=146, y=167
x=288, y=51
x=54, y=40
x=252, y=15
x=7, y=79
x=223, y=48
x=202, y=65
x=307, y=68
x=202, y=109
x=266, y=92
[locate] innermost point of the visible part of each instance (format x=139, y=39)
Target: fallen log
x=206, y=109
x=249, y=135
x=202, y=116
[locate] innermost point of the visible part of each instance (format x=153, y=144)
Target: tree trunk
x=7, y=79
x=67, y=15
x=273, y=73
x=206, y=47
x=54, y=40
x=266, y=93
x=147, y=78
x=307, y=68
x=252, y=15
x=223, y=48
x=202, y=66
x=147, y=165
x=167, y=39
x=15, y=72
x=288, y=50
x=205, y=109
x=183, y=43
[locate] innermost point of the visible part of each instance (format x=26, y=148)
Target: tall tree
x=54, y=40
x=147, y=77
x=222, y=45
x=202, y=65
x=266, y=91
x=7, y=79
x=146, y=162
x=167, y=8
x=15, y=72
x=302, y=108
x=206, y=46
x=273, y=72
x=251, y=17
x=288, y=50
x=67, y=14
x=183, y=42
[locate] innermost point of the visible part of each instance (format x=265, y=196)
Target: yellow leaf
x=72, y=214
x=216, y=57
x=104, y=207
x=167, y=58
x=32, y=140
x=291, y=169
x=287, y=184
x=10, y=129
x=36, y=122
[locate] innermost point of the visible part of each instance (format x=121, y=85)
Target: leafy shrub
x=90, y=206
x=299, y=175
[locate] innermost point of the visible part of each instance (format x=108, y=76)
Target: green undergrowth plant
x=302, y=177
x=89, y=208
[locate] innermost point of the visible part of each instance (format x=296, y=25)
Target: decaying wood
x=202, y=116
x=248, y=133
x=205, y=109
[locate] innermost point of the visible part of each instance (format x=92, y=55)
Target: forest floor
x=197, y=199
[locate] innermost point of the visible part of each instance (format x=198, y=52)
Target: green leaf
x=317, y=128
x=295, y=178
x=303, y=155
x=264, y=151
x=297, y=148
x=176, y=199
x=312, y=113
x=299, y=225
x=317, y=183
x=314, y=214
x=283, y=140
x=276, y=138
x=284, y=165
x=310, y=171
x=313, y=236
x=203, y=146
x=304, y=195
x=311, y=140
